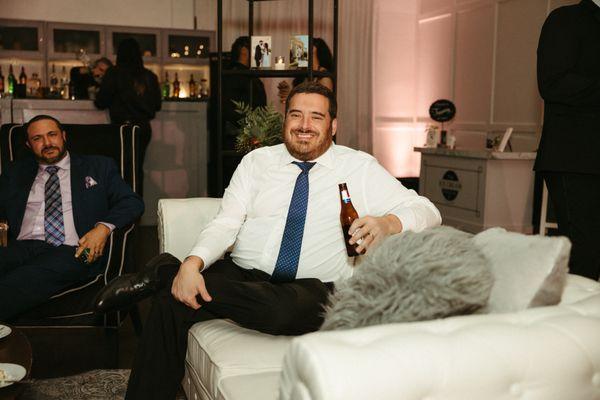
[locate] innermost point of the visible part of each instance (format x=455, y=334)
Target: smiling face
x=46, y=141
x=309, y=129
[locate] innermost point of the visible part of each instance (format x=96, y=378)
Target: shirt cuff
x=407, y=218
x=111, y=227
x=204, y=254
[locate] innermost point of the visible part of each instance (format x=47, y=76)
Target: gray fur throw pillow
x=413, y=276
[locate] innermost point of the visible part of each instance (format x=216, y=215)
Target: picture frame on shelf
x=299, y=51
x=261, y=51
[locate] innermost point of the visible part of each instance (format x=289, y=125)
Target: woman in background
x=322, y=61
x=132, y=95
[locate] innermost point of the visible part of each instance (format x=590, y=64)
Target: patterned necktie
x=289, y=252
x=54, y=225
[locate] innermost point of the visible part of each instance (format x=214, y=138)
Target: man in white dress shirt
x=249, y=287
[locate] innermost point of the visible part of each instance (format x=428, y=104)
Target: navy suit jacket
x=111, y=200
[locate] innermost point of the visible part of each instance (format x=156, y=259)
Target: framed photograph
x=261, y=51
x=299, y=51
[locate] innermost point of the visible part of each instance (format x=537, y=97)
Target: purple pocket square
x=89, y=182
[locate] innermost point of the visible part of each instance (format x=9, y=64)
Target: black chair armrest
x=118, y=261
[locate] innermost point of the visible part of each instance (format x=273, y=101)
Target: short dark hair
x=317, y=88
x=41, y=117
x=102, y=60
x=237, y=46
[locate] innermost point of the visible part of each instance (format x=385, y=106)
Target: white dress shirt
x=32, y=227
x=255, y=205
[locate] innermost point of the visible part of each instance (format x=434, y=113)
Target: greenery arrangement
x=261, y=126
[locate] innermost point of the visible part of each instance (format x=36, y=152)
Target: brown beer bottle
x=347, y=215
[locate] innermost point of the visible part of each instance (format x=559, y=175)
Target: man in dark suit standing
x=569, y=82
x=57, y=205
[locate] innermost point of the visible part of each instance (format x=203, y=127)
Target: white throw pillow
x=529, y=270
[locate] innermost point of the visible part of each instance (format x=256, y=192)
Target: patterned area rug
x=99, y=384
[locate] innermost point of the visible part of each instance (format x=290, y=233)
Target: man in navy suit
x=57, y=205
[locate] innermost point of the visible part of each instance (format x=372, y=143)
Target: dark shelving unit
x=261, y=73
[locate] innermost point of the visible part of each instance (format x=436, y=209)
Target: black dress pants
x=31, y=271
x=576, y=201
x=244, y=296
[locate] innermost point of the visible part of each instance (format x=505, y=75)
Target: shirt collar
x=64, y=164
x=326, y=159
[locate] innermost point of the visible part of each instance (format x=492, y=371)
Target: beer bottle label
x=345, y=197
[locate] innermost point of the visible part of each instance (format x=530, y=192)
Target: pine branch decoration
x=261, y=126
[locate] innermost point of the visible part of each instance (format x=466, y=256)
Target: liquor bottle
x=347, y=215
x=12, y=81
x=166, y=87
x=1, y=83
x=203, y=88
x=193, y=87
x=176, y=87
x=22, y=77
x=64, y=83
x=34, y=85
x=53, y=82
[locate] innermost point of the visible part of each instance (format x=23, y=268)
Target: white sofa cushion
x=543, y=353
x=219, y=349
x=529, y=271
x=259, y=386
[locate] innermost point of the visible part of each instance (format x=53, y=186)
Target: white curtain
x=355, y=75
x=280, y=19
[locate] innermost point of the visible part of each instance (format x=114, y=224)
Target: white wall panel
x=432, y=6
x=473, y=67
x=559, y=3
x=158, y=13
x=404, y=137
x=434, y=61
x=516, y=98
x=394, y=65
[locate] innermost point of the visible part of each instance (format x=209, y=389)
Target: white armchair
x=542, y=353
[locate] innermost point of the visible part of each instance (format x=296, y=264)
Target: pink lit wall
x=396, y=130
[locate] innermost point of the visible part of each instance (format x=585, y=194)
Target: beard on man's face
x=59, y=152
x=305, y=150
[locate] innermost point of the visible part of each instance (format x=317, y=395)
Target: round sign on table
x=442, y=110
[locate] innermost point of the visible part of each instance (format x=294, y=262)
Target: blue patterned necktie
x=54, y=225
x=289, y=252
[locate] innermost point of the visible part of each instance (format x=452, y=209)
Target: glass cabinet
x=71, y=41
x=149, y=40
x=51, y=50
x=183, y=45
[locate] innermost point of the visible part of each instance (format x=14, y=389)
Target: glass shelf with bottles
x=22, y=78
x=185, y=82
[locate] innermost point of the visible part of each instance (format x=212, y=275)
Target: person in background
x=238, y=89
x=86, y=79
x=249, y=90
x=132, y=95
x=57, y=204
x=322, y=61
x=568, y=66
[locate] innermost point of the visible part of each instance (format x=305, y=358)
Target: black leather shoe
x=126, y=290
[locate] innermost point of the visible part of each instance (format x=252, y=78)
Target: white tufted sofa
x=547, y=353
